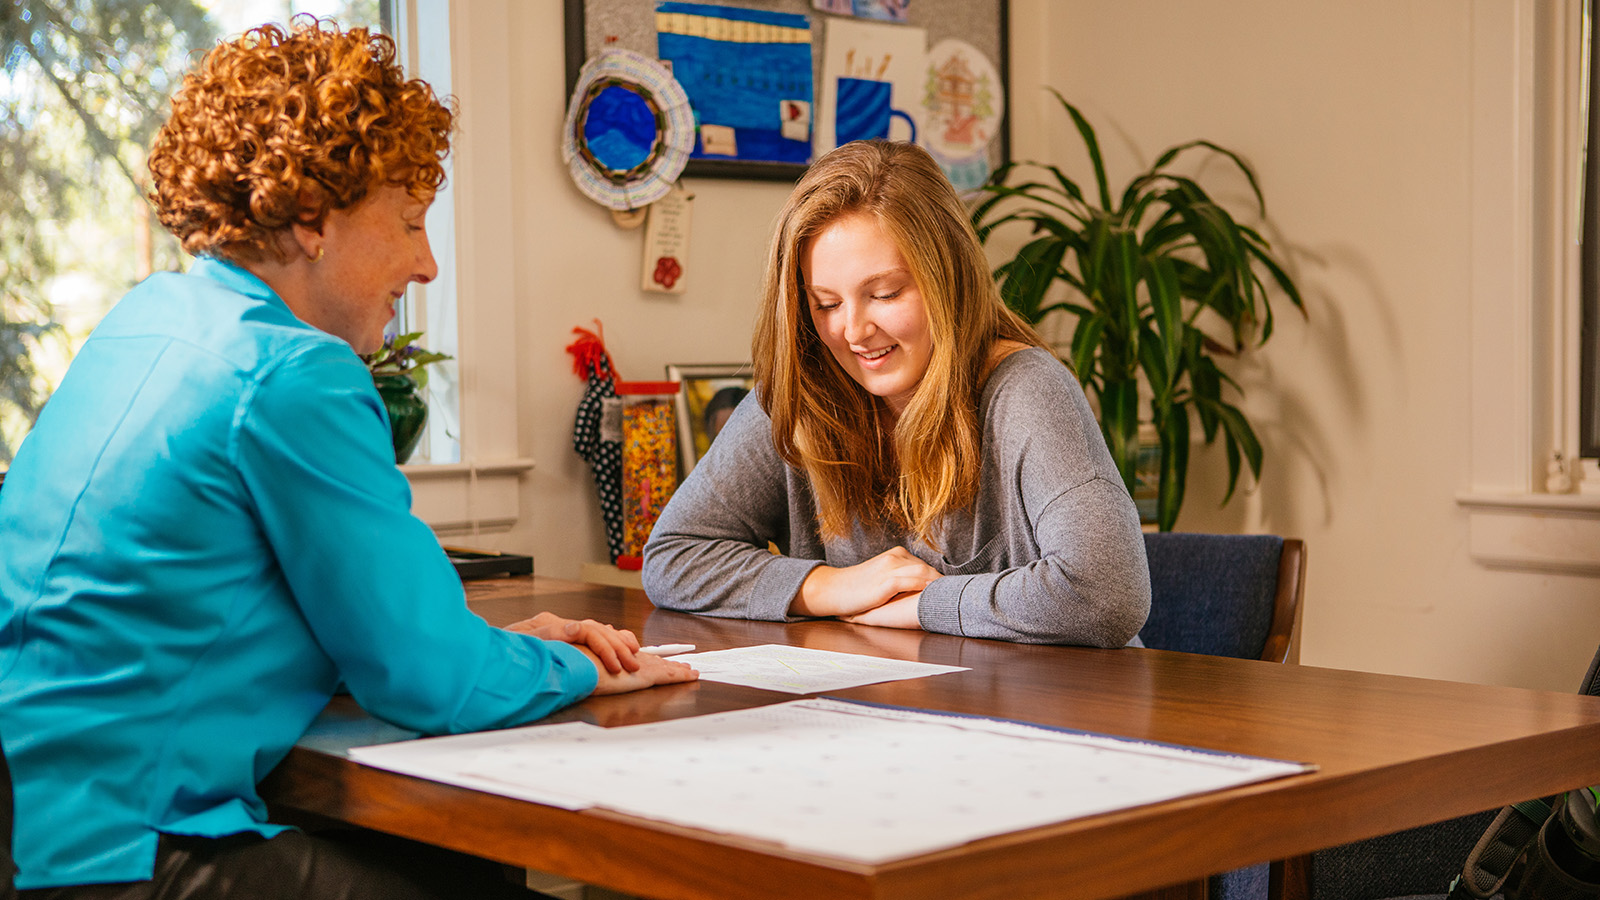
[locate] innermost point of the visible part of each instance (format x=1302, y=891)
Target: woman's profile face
x=867, y=308
x=370, y=253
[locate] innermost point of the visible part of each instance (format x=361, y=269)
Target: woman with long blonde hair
x=914, y=453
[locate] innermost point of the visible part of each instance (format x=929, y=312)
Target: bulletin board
x=957, y=116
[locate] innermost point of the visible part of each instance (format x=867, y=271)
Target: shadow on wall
x=1302, y=479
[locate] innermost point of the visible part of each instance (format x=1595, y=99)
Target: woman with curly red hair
x=206, y=532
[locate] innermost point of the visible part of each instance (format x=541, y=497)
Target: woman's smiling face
x=867, y=308
x=370, y=252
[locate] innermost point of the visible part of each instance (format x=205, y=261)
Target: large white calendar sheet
x=839, y=779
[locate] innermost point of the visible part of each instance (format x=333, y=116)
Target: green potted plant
x=398, y=373
x=1163, y=281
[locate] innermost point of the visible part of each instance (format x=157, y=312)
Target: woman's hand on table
x=853, y=590
x=901, y=612
x=616, y=649
x=652, y=670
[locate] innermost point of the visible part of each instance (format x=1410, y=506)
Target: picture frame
x=592, y=25
x=707, y=394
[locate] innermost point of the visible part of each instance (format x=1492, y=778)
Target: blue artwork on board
x=863, y=112
x=620, y=128
x=748, y=76
x=882, y=10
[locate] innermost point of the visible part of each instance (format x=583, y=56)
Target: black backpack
x=1539, y=849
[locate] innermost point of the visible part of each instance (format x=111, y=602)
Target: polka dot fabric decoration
x=597, y=430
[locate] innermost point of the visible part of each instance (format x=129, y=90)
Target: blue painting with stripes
x=748, y=76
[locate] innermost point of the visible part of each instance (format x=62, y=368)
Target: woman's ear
x=306, y=230
x=305, y=240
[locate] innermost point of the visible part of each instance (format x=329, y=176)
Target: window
x=1589, y=328
x=423, y=35
x=83, y=89
x=84, y=85
x=1527, y=164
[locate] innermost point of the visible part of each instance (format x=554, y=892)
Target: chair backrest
x=1232, y=595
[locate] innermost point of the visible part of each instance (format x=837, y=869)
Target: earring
x=318, y=257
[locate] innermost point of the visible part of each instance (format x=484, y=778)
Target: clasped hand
x=884, y=590
x=614, y=652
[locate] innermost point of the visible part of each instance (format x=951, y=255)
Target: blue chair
x=1232, y=595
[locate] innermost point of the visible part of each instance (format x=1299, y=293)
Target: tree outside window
x=84, y=85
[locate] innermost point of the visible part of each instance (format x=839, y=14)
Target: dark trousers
x=331, y=865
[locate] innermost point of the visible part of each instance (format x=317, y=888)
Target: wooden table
x=1392, y=753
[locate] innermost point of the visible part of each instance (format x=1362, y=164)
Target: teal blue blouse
x=204, y=533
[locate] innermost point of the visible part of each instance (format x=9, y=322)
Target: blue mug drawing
x=862, y=111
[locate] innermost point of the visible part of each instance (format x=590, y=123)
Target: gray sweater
x=1050, y=551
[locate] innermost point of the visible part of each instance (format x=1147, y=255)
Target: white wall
x=1357, y=117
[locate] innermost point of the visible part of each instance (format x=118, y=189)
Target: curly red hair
x=273, y=129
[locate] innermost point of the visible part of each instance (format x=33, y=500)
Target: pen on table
x=667, y=649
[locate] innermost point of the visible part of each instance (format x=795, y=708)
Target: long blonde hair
x=824, y=423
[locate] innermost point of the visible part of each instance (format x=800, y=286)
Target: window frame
x=1588, y=350
x=1526, y=146
x=472, y=237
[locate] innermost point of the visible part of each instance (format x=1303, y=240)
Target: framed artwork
x=775, y=83
x=707, y=394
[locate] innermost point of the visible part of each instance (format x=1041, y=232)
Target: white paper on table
x=488, y=761
x=845, y=780
x=802, y=670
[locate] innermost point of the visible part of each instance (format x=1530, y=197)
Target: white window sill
x=1542, y=532
x=458, y=498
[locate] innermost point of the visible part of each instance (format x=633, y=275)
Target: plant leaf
x=1174, y=431
x=1279, y=276
x=1086, y=346
x=1030, y=274
x=1206, y=386
x=1128, y=262
x=1153, y=360
x=1166, y=305
x=1086, y=131
x=1076, y=309
x=1249, y=173
x=1238, y=437
x=1119, y=421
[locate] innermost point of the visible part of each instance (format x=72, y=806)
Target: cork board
x=592, y=25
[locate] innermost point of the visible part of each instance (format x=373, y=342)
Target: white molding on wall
x=1502, y=245
x=466, y=498
x=1520, y=282
x=457, y=471
x=482, y=492
x=1549, y=532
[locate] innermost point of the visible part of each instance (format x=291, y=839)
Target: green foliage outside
x=84, y=85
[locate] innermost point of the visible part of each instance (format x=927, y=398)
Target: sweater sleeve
x=1083, y=578
x=312, y=448
x=708, y=553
